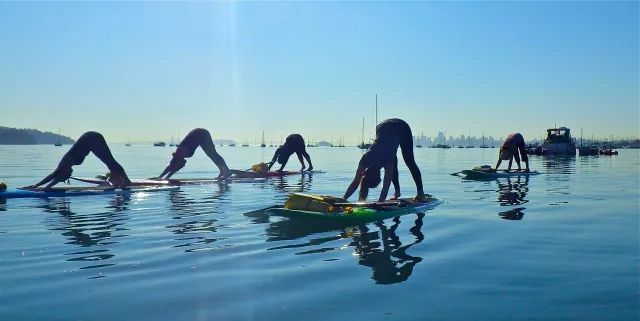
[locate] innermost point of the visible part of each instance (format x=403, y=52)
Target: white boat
x=559, y=142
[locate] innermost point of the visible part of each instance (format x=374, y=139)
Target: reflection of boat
x=159, y=144
x=559, y=142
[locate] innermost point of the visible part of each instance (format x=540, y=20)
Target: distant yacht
x=262, y=144
x=559, y=142
x=159, y=144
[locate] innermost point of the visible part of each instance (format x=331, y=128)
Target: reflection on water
x=92, y=233
x=378, y=248
x=559, y=164
x=513, y=191
x=515, y=214
x=195, y=233
x=247, y=267
x=385, y=254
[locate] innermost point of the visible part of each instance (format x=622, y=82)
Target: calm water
x=563, y=245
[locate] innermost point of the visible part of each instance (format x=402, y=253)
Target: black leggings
x=395, y=132
x=201, y=137
x=95, y=143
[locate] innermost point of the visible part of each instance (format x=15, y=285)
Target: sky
x=146, y=71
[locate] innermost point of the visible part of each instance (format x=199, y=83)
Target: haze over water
x=562, y=245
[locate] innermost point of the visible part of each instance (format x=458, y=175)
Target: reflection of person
x=198, y=137
x=386, y=269
x=390, y=134
x=293, y=144
x=513, y=193
x=515, y=214
x=513, y=147
x=89, y=142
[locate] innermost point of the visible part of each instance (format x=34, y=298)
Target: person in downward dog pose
x=293, y=144
x=390, y=134
x=92, y=142
x=198, y=137
x=512, y=146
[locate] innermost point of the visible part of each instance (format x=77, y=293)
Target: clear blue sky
x=147, y=71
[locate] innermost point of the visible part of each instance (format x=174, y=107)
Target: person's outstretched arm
x=386, y=182
x=60, y=174
x=356, y=181
x=499, y=162
x=273, y=160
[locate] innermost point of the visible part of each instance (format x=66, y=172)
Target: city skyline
x=149, y=71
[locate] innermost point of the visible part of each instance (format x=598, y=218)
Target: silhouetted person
x=513, y=147
x=390, y=134
x=88, y=142
x=198, y=137
x=293, y=144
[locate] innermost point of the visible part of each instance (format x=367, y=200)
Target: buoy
x=3, y=186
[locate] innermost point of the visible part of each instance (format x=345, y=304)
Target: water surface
x=562, y=245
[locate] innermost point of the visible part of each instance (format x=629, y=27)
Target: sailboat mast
x=363, y=131
x=376, y=110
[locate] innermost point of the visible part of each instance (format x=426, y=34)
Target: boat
x=469, y=141
x=362, y=144
x=159, y=144
x=58, y=143
x=483, y=144
x=262, y=144
x=587, y=150
x=232, y=145
x=608, y=152
x=559, y=142
x=444, y=140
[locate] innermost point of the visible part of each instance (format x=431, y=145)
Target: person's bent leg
x=406, y=146
x=209, y=148
x=98, y=146
x=308, y=158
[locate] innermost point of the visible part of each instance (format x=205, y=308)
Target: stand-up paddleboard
x=71, y=191
x=485, y=172
x=171, y=181
x=356, y=212
x=253, y=174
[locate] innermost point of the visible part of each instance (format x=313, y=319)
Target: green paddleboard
x=361, y=213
